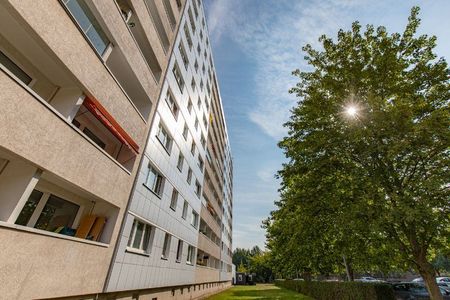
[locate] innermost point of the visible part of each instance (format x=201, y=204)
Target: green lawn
x=260, y=291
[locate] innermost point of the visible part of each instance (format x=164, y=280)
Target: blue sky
x=256, y=45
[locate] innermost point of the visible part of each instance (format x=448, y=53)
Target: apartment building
x=115, y=163
x=79, y=86
x=176, y=237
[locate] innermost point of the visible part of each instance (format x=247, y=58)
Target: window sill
x=51, y=234
x=173, y=208
x=154, y=193
x=137, y=251
x=164, y=258
x=189, y=264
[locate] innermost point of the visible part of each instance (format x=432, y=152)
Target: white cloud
x=272, y=33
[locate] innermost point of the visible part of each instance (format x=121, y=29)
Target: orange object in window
x=106, y=119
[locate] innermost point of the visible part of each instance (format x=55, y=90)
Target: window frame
x=167, y=141
x=143, y=249
x=179, y=255
x=166, y=246
x=185, y=210
x=158, y=186
x=174, y=199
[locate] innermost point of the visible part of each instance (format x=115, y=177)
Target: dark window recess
x=29, y=208
x=56, y=213
x=94, y=138
x=13, y=68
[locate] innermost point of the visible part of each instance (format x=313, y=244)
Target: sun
x=351, y=111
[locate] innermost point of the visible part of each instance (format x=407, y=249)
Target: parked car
x=443, y=279
x=368, y=279
x=418, y=279
x=414, y=291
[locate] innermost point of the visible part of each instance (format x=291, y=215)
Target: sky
x=256, y=45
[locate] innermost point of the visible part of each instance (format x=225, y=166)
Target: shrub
x=340, y=290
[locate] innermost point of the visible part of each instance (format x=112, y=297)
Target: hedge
x=323, y=290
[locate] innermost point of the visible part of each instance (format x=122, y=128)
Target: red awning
x=106, y=119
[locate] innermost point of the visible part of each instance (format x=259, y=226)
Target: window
x=199, y=50
x=205, y=54
x=164, y=138
x=201, y=34
x=189, y=176
x=174, y=199
x=203, y=141
x=194, y=221
x=185, y=131
x=191, y=19
x=179, y=250
x=190, y=255
x=196, y=65
x=205, y=121
x=193, y=148
x=203, y=69
x=154, y=181
x=88, y=25
x=198, y=188
x=179, y=5
x=188, y=36
x=193, y=84
x=200, y=163
x=172, y=104
x=140, y=236
x=15, y=69
x=196, y=123
x=55, y=214
x=199, y=103
x=201, y=85
x=183, y=55
x=178, y=77
x=195, y=9
x=185, y=209
x=180, y=162
x=189, y=106
x=166, y=246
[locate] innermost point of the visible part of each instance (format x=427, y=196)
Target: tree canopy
x=367, y=181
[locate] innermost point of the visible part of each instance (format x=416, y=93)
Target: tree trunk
x=426, y=270
x=348, y=269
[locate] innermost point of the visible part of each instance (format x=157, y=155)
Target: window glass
x=86, y=20
x=29, y=208
x=166, y=246
x=174, y=199
x=185, y=209
x=57, y=213
x=13, y=68
x=140, y=236
x=179, y=250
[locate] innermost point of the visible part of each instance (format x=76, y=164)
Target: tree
x=368, y=171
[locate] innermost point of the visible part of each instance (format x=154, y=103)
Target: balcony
x=52, y=85
x=39, y=202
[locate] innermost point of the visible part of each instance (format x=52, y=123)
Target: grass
x=260, y=291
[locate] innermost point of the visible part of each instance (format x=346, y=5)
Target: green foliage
x=340, y=290
x=241, y=268
x=373, y=187
x=254, y=261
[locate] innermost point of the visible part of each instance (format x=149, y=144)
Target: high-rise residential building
x=115, y=164
x=177, y=232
